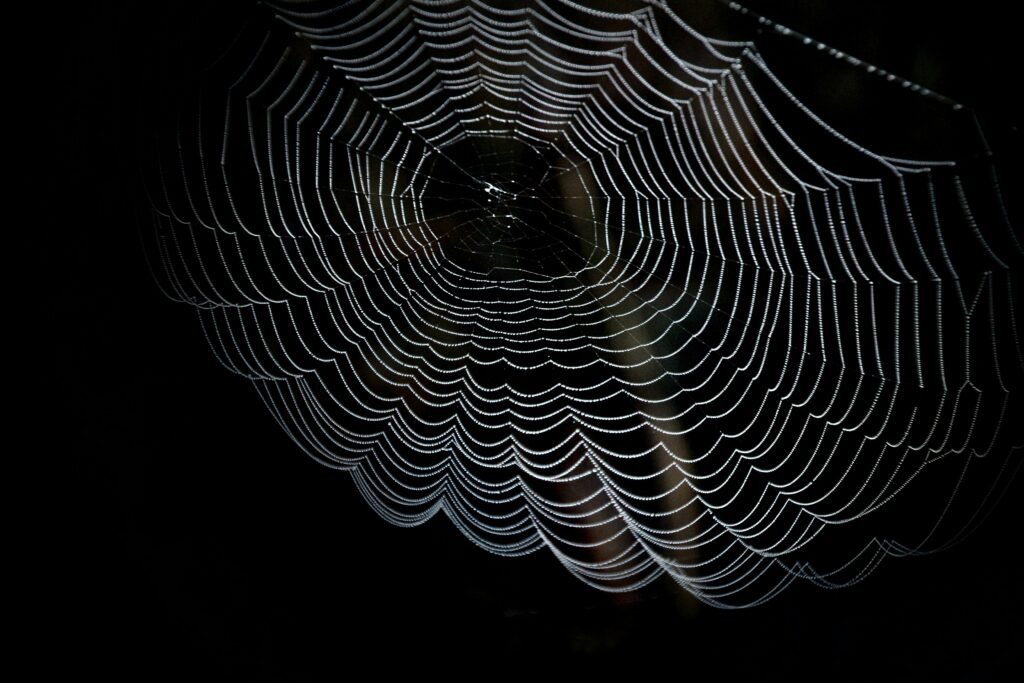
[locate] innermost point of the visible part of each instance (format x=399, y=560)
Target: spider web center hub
x=500, y=208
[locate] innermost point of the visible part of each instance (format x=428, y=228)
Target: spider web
x=595, y=282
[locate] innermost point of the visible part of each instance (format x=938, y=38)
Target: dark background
x=191, y=536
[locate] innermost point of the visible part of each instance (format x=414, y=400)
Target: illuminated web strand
x=705, y=273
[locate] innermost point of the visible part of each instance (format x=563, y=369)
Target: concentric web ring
x=594, y=282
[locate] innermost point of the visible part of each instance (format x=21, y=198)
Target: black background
x=191, y=536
